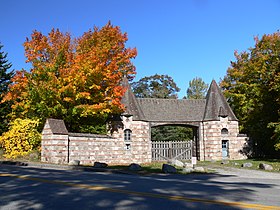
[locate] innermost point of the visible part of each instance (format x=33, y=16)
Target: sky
x=180, y=38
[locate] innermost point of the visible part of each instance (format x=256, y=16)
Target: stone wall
x=59, y=146
x=54, y=146
x=211, y=141
x=89, y=148
x=140, y=144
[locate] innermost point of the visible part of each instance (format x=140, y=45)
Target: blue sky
x=182, y=38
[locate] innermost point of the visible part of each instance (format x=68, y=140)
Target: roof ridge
x=172, y=99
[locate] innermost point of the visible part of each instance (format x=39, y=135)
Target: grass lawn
x=275, y=163
x=156, y=167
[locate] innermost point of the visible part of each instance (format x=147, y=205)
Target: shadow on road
x=18, y=193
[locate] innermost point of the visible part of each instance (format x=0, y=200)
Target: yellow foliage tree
x=21, y=138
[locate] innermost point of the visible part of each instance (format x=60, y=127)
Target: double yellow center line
x=143, y=194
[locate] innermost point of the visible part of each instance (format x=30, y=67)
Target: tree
x=197, y=89
x=171, y=133
x=77, y=80
x=252, y=86
x=5, y=80
x=156, y=86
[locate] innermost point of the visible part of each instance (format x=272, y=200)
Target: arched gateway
x=216, y=129
x=215, y=125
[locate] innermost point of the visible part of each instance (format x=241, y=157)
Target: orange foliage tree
x=77, y=80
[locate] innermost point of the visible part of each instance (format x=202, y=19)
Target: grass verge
x=275, y=163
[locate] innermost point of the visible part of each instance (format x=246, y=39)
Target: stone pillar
x=201, y=141
x=140, y=145
x=54, y=145
x=212, y=137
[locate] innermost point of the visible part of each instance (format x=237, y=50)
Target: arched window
x=127, y=134
x=224, y=131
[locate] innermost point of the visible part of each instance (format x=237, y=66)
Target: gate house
x=216, y=132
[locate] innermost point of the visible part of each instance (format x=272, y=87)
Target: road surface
x=33, y=188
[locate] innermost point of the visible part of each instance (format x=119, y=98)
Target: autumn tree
x=74, y=79
x=197, y=89
x=252, y=86
x=5, y=79
x=161, y=86
x=155, y=86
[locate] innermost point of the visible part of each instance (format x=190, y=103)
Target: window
x=127, y=146
x=127, y=135
x=127, y=139
x=224, y=131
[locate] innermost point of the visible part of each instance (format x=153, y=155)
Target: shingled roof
x=216, y=104
x=130, y=102
x=177, y=110
x=57, y=126
x=172, y=110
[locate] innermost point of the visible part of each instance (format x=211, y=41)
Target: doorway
x=225, y=145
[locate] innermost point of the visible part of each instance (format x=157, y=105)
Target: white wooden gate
x=167, y=150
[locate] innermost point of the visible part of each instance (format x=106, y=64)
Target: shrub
x=21, y=138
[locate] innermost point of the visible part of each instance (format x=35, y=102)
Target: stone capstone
x=100, y=165
x=199, y=169
x=265, y=167
x=188, y=165
x=247, y=165
x=166, y=168
x=176, y=163
x=74, y=163
x=225, y=162
x=134, y=167
x=188, y=170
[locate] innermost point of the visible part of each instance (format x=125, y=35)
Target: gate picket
x=165, y=150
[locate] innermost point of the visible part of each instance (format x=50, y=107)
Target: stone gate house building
x=216, y=133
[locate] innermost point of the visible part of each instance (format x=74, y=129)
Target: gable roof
x=172, y=110
x=177, y=110
x=216, y=104
x=57, y=126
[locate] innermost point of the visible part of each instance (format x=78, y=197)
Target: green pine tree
x=5, y=80
x=197, y=89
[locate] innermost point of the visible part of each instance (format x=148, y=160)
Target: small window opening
x=127, y=146
x=224, y=131
x=127, y=135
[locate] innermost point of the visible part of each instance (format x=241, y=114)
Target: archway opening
x=174, y=141
x=172, y=133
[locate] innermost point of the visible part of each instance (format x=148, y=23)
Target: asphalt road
x=33, y=188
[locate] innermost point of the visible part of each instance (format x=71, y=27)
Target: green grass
x=275, y=163
x=147, y=168
x=150, y=168
x=154, y=167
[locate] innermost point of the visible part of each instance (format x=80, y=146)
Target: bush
x=21, y=138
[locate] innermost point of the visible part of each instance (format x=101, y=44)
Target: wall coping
x=242, y=135
x=89, y=135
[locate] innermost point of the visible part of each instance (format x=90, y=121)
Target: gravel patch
x=247, y=173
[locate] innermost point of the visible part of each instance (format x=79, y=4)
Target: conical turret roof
x=131, y=104
x=216, y=104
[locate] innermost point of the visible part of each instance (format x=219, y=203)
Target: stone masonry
x=59, y=146
x=129, y=138
x=211, y=139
